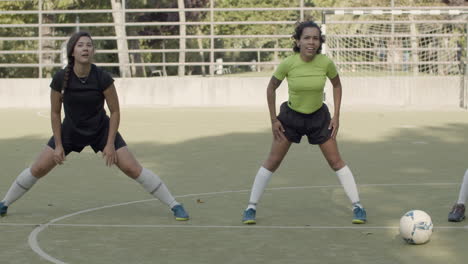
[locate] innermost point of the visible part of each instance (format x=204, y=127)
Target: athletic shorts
x=77, y=143
x=314, y=125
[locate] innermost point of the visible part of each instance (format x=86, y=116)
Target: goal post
x=411, y=51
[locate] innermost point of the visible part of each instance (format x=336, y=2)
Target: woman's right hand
x=278, y=130
x=59, y=155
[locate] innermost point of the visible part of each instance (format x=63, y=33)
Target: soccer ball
x=416, y=227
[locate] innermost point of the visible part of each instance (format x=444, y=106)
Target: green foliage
x=96, y=31
x=17, y=32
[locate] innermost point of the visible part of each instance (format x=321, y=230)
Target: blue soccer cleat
x=180, y=213
x=249, y=217
x=3, y=209
x=359, y=215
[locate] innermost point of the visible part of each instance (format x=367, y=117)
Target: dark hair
x=71, y=60
x=298, y=33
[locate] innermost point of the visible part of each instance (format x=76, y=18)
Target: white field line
x=33, y=241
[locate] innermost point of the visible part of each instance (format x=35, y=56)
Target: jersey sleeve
x=282, y=70
x=332, y=72
x=105, y=79
x=57, y=81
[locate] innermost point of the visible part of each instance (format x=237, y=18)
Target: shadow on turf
x=230, y=161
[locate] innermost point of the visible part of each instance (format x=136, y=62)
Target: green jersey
x=306, y=81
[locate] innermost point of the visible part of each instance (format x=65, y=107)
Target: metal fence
x=46, y=36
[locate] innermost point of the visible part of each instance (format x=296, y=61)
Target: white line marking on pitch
x=33, y=242
x=420, y=142
x=16, y=224
x=227, y=226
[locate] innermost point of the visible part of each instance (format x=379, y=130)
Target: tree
x=169, y=30
x=18, y=44
x=263, y=29
x=198, y=30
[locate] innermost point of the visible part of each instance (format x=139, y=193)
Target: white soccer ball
x=416, y=227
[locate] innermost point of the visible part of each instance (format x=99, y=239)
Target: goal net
x=400, y=48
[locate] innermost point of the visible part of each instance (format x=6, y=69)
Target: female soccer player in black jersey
x=83, y=88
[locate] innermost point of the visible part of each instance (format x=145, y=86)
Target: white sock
x=20, y=186
x=259, y=185
x=154, y=185
x=462, y=197
x=347, y=180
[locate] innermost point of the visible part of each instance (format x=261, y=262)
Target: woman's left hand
x=110, y=155
x=334, y=124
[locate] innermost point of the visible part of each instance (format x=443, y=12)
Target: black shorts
x=314, y=125
x=72, y=142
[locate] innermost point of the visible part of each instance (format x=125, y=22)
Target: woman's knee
x=272, y=163
x=127, y=163
x=336, y=164
x=44, y=163
x=131, y=170
x=39, y=170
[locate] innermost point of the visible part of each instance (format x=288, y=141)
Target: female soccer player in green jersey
x=82, y=88
x=305, y=114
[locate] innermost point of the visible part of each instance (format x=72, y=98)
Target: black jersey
x=83, y=101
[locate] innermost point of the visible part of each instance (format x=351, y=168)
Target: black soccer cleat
x=457, y=214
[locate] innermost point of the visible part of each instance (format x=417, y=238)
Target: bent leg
x=127, y=163
x=43, y=164
x=333, y=157
x=279, y=148
x=331, y=153
x=150, y=181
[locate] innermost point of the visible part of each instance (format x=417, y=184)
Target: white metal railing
x=212, y=50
